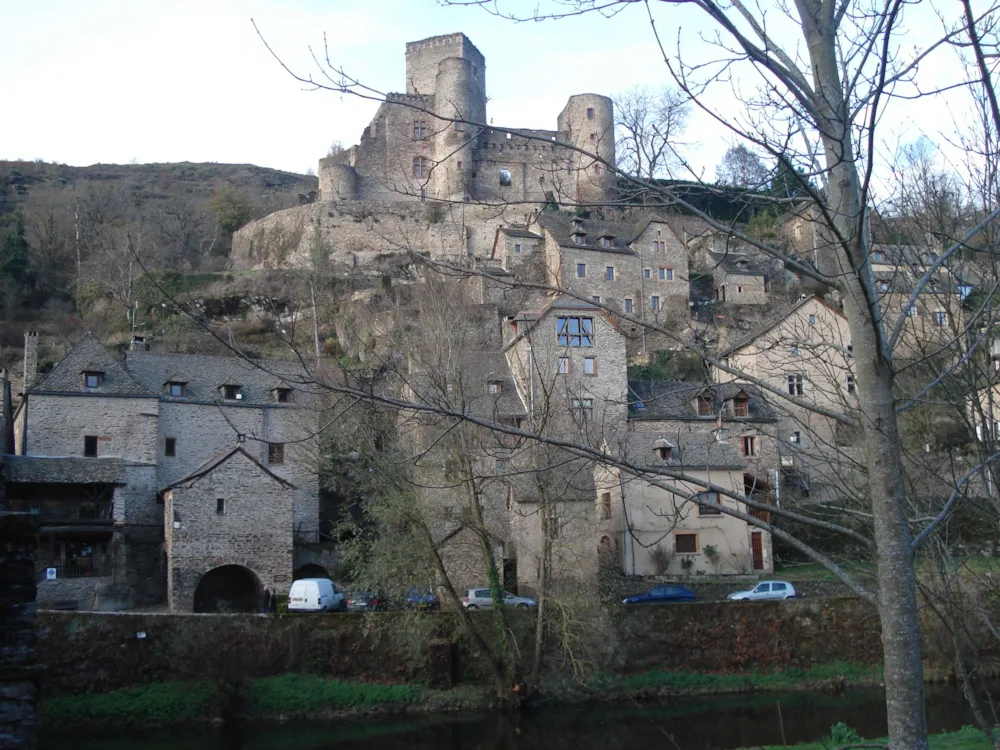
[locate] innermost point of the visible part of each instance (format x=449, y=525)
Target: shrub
x=661, y=557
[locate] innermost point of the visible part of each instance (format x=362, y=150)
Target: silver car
x=481, y=599
x=765, y=590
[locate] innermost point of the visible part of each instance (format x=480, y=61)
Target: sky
x=119, y=81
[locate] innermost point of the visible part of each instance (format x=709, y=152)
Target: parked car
x=481, y=599
x=765, y=590
x=422, y=598
x=661, y=595
x=315, y=595
x=366, y=601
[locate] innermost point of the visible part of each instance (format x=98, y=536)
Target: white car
x=765, y=590
x=315, y=595
x=481, y=599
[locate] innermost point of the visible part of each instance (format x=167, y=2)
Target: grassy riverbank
x=309, y=696
x=966, y=738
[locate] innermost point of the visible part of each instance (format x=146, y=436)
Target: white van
x=314, y=595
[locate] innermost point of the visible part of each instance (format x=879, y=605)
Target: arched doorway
x=310, y=570
x=230, y=588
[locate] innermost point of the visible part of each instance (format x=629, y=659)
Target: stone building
x=100, y=441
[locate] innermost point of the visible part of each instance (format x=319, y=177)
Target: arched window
x=505, y=177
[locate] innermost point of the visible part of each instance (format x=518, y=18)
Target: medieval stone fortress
x=190, y=479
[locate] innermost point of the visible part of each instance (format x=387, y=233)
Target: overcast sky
x=112, y=81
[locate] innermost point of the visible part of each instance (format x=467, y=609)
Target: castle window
x=90, y=446
x=812, y=319
x=220, y=506
x=665, y=452
x=419, y=130
x=276, y=453
x=563, y=366
x=666, y=274
x=590, y=365
x=628, y=305
x=795, y=437
x=590, y=113
x=459, y=127
x=609, y=273
x=170, y=447
x=460, y=165
x=739, y=290
x=686, y=544
x=654, y=302
x=596, y=299
x=581, y=270
x=420, y=167
x=575, y=331
x=505, y=177
x=93, y=379
x=283, y=395
x=232, y=392
x=176, y=390
x=659, y=246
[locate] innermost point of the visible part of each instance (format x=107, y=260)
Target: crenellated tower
x=588, y=122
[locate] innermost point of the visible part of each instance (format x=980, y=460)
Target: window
x=748, y=445
x=647, y=273
x=795, y=438
x=459, y=127
x=686, y=544
x=220, y=506
x=708, y=499
x=283, y=395
x=93, y=379
x=581, y=270
x=739, y=290
x=628, y=305
x=90, y=446
x=578, y=239
x=743, y=265
x=461, y=164
x=659, y=246
x=563, y=366
x=879, y=256
x=705, y=408
x=665, y=452
x=607, y=242
x=851, y=387
x=505, y=177
x=232, y=392
x=883, y=286
x=583, y=409
x=170, y=447
x=501, y=467
x=590, y=113
x=590, y=365
x=494, y=387
x=795, y=350
x=517, y=247
x=964, y=290
x=666, y=274
x=741, y=406
x=276, y=453
x=420, y=167
x=575, y=331
x=795, y=384
x=609, y=273
x=596, y=299
x=175, y=389
x=812, y=319
x=931, y=257
x=605, y=505
x=940, y=318
x=419, y=130
x=654, y=302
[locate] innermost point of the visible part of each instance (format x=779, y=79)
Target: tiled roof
x=204, y=375
x=676, y=400
x=213, y=463
x=89, y=356
x=562, y=229
x=62, y=470
x=689, y=450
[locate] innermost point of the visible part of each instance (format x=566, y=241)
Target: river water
x=718, y=723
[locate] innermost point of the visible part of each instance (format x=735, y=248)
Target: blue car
x=422, y=598
x=661, y=595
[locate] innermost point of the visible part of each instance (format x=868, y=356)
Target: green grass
x=816, y=572
x=295, y=692
x=693, y=682
x=967, y=738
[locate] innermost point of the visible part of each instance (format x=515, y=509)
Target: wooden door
x=757, y=548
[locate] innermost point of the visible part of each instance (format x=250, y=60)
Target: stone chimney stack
x=30, y=359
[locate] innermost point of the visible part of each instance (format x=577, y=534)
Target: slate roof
x=204, y=375
x=660, y=400
x=216, y=461
x=730, y=263
x=691, y=450
x=90, y=356
x=62, y=470
x=562, y=229
x=515, y=232
x=772, y=320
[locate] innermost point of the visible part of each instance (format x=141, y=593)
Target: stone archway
x=229, y=588
x=310, y=570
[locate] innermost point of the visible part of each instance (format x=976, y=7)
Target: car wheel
x=472, y=606
x=522, y=606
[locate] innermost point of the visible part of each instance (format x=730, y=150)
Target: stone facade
x=233, y=512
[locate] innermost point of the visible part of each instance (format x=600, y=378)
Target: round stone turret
x=588, y=122
x=458, y=97
x=337, y=181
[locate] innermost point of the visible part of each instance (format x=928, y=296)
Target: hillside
x=74, y=240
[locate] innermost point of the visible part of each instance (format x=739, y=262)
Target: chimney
x=30, y=359
x=138, y=344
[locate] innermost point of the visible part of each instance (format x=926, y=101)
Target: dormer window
x=283, y=395
x=741, y=406
x=607, y=241
x=93, y=379
x=704, y=405
x=232, y=392
x=664, y=450
x=578, y=238
x=494, y=387
x=175, y=389
x=743, y=265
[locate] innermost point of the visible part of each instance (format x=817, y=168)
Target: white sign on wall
x=50, y=574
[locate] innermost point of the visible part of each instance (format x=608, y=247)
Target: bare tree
x=648, y=126
x=742, y=168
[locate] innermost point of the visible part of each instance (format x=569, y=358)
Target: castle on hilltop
x=429, y=158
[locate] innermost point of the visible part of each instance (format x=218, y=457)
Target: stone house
x=739, y=280
x=99, y=441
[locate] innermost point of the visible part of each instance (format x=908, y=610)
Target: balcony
x=67, y=512
x=75, y=567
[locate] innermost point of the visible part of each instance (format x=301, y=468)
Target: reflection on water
x=720, y=723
